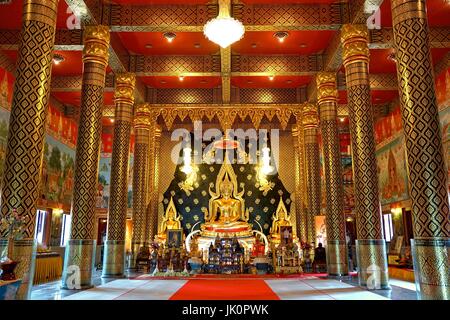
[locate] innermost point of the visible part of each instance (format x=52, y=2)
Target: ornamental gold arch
x=227, y=115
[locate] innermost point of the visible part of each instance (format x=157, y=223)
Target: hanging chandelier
x=224, y=30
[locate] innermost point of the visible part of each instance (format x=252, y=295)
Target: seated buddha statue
x=170, y=221
x=280, y=219
x=227, y=214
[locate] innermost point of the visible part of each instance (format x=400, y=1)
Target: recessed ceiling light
x=58, y=58
x=203, y=81
x=149, y=46
x=170, y=36
x=249, y=81
x=289, y=81
x=253, y=45
x=302, y=45
x=181, y=78
x=271, y=77
x=197, y=45
x=342, y=119
x=163, y=81
x=281, y=35
x=112, y=120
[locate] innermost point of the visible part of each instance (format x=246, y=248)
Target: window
x=388, y=228
x=40, y=226
x=65, y=230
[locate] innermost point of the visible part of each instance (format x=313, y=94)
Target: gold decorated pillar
x=152, y=221
x=426, y=167
x=334, y=189
x=80, y=249
x=114, y=253
x=311, y=146
x=25, y=146
x=140, y=177
x=299, y=185
x=370, y=246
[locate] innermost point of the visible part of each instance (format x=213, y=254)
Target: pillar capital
x=142, y=118
x=96, y=44
x=125, y=83
x=355, y=42
x=326, y=87
x=310, y=116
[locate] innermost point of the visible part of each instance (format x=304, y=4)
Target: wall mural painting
x=393, y=179
x=104, y=172
x=191, y=204
x=59, y=149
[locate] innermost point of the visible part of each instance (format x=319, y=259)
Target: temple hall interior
x=224, y=149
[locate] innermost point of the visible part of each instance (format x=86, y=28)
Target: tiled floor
x=305, y=288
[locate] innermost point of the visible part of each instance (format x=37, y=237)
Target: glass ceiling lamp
x=224, y=30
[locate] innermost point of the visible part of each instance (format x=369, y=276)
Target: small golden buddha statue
x=280, y=219
x=170, y=221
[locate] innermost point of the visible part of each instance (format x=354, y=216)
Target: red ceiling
x=183, y=43
x=266, y=43
x=438, y=12
x=72, y=64
x=193, y=2
x=188, y=82
x=11, y=15
x=265, y=82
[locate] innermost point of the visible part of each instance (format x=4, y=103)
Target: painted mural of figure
x=395, y=185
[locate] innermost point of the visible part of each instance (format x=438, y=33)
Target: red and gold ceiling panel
x=72, y=64
x=155, y=2
x=154, y=43
x=266, y=82
x=298, y=42
x=185, y=82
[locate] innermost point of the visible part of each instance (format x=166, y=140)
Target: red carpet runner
x=225, y=290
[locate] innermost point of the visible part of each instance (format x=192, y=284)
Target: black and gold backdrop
x=261, y=205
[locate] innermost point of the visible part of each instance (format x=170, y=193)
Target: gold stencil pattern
x=140, y=185
x=313, y=183
x=23, y=159
x=86, y=162
x=117, y=214
x=427, y=171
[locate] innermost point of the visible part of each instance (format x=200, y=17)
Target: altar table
x=48, y=268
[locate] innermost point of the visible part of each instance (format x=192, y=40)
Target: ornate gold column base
x=372, y=263
x=79, y=264
x=24, y=251
x=431, y=268
x=114, y=259
x=337, y=259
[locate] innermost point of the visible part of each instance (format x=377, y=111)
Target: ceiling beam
x=255, y=17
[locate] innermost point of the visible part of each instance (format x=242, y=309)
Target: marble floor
x=142, y=287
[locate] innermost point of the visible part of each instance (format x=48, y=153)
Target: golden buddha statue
x=226, y=215
x=280, y=219
x=170, y=221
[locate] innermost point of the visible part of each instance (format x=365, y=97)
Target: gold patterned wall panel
x=26, y=135
x=277, y=63
x=268, y=95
